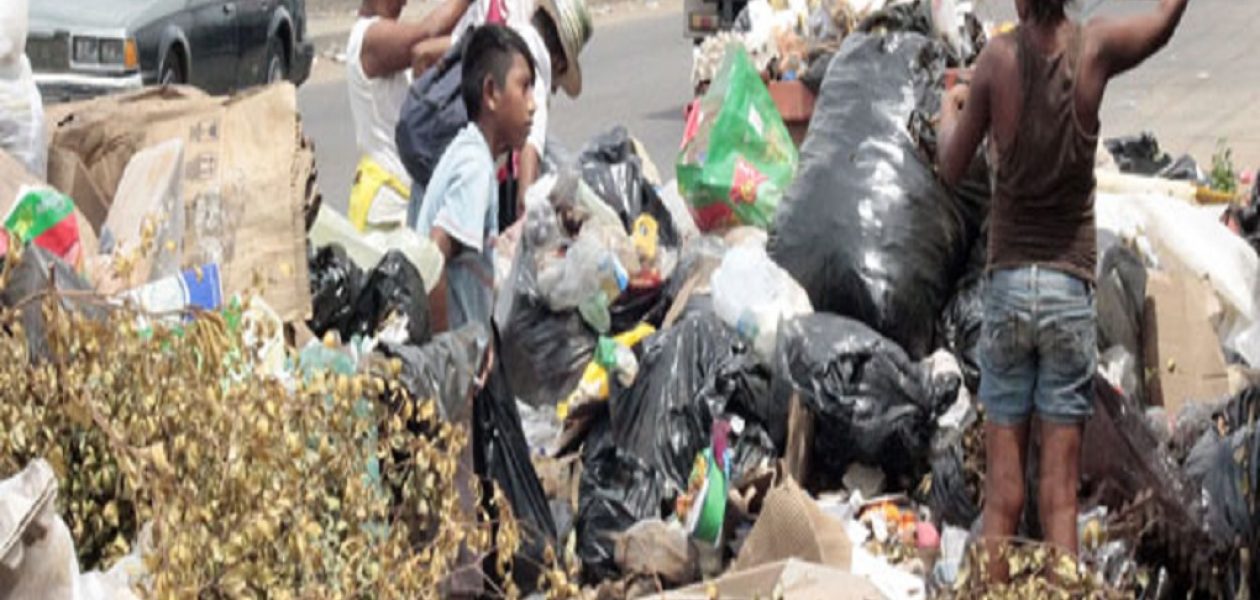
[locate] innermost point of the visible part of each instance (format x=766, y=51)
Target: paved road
x=1202, y=87
x=636, y=72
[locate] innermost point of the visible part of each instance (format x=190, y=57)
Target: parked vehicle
x=81, y=48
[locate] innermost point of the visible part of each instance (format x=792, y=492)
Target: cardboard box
x=800, y=439
x=1184, y=360
x=243, y=191
x=798, y=580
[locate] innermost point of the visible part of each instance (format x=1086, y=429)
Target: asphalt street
x=636, y=73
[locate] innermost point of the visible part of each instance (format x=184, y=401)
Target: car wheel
x=277, y=63
x=172, y=70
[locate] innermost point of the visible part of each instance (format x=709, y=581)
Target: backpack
x=432, y=115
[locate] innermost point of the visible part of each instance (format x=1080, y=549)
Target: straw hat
x=573, y=23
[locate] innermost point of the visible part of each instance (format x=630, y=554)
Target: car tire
x=277, y=63
x=172, y=72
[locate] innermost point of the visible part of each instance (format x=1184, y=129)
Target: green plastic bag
x=737, y=158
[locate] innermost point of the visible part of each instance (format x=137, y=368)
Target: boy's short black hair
x=489, y=52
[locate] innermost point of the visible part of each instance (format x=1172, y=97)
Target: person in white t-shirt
x=556, y=31
x=380, y=56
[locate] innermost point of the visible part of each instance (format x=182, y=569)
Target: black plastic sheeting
x=1120, y=301
x=872, y=404
x=501, y=454
x=1140, y=154
x=616, y=490
x=443, y=369
x=695, y=372
x=867, y=228
x=351, y=302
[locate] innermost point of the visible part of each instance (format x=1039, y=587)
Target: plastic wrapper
x=872, y=404
x=501, y=454
x=689, y=375
x=737, y=158
x=46, y=218
x=616, y=491
x=752, y=295
x=867, y=228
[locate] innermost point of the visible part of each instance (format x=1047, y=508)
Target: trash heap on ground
x=758, y=380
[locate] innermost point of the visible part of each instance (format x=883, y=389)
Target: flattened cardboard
x=1183, y=353
x=243, y=210
x=791, y=525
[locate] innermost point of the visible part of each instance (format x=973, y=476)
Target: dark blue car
x=81, y=48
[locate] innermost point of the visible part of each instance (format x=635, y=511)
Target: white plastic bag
x=753, y=294
x=1168, y=231
x=22, y=114
x=13, y=26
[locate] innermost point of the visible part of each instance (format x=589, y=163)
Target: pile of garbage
x=758, y=380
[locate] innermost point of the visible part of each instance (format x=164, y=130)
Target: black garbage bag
x=949, y=496
x=867, y=228
x=38, y=271
x=611, y=166
x=963, y=318
x=544, y=352
x=394, y=286
x=335, y=284
x=872, y=404
x=613, y=169
x=443, y=369
x=501, y=454
x=689, y=375
x=351, y=302
x=616, y=490
x=1140, y=154
x=1120, y=300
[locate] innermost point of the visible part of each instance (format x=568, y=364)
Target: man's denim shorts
x=1037, y=347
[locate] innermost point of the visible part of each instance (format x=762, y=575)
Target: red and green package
x=737, y=157
x=46, y=217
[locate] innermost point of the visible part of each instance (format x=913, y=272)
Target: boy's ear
x=489, y=92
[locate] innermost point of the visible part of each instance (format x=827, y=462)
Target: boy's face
x=513, y=108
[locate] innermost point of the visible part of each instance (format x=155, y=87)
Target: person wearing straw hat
x=556, y=31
